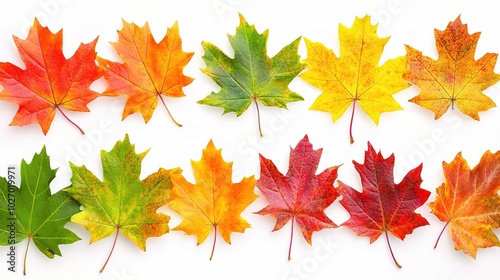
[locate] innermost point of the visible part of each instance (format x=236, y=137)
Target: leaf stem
x=168, y=111
x=215, y=241
x=352, y=119
x=291, y=239
x=258, y=117
x=26, y=255
x=66, y=117
x=439, y=237
x=390, y=249
x=112, y=249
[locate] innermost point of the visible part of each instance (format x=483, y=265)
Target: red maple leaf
x=383, y=206
x=300, y=195
x=49, y=81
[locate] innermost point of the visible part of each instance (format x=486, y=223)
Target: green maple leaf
x=121, y=202
x=39, y=215
x=251, y=75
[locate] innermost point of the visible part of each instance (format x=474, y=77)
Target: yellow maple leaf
x=214, y=202
x=355, y=76
x=456, y=78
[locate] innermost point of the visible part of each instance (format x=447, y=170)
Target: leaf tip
x=36, y=23
x=175, y=26
x=242, y=18
x=211, y=145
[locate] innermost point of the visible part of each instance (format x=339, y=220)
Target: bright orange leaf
x=149, y=69
x=469, y=203
x=49, y=81
x=355, y=76
x=214, y=202
x=456, y=78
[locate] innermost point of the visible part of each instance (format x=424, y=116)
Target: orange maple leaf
x=49, y=81
x=150, y=69
x=469, y=203
x=456, y=78
x=214, y=202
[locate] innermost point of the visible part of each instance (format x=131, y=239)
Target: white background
x=412, y=135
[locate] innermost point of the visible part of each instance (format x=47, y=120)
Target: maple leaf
x=383, y=206
x=121, y=202
x=31, y=212
x=300, y=195
x=355, y=76
x=469, y=203
x=214, y=202
x=49, y=81
x=251, y=75
x=456, y=78
x=150, y=69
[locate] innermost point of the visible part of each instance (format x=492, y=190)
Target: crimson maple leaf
x=383, y=206
x=49, y=81
x=300, y=195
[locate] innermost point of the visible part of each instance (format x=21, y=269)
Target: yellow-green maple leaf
x=121, y=202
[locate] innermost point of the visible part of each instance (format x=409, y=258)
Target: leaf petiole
x=258, y=117
x=66, y=117
x=390, y=249
x=441, y=233
x=112, y=249
x=291, y=240
x=352, y=119
x=26, y=255
x=215, y=241
x=168, y=111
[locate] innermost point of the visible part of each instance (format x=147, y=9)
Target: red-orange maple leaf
x=383, y=206
x=149, y=69
x=300, y=195
x=49, y=81
x=469, y=203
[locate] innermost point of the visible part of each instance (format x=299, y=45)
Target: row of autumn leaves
x=51, y=83
x=151, y=70
x=468, y=201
